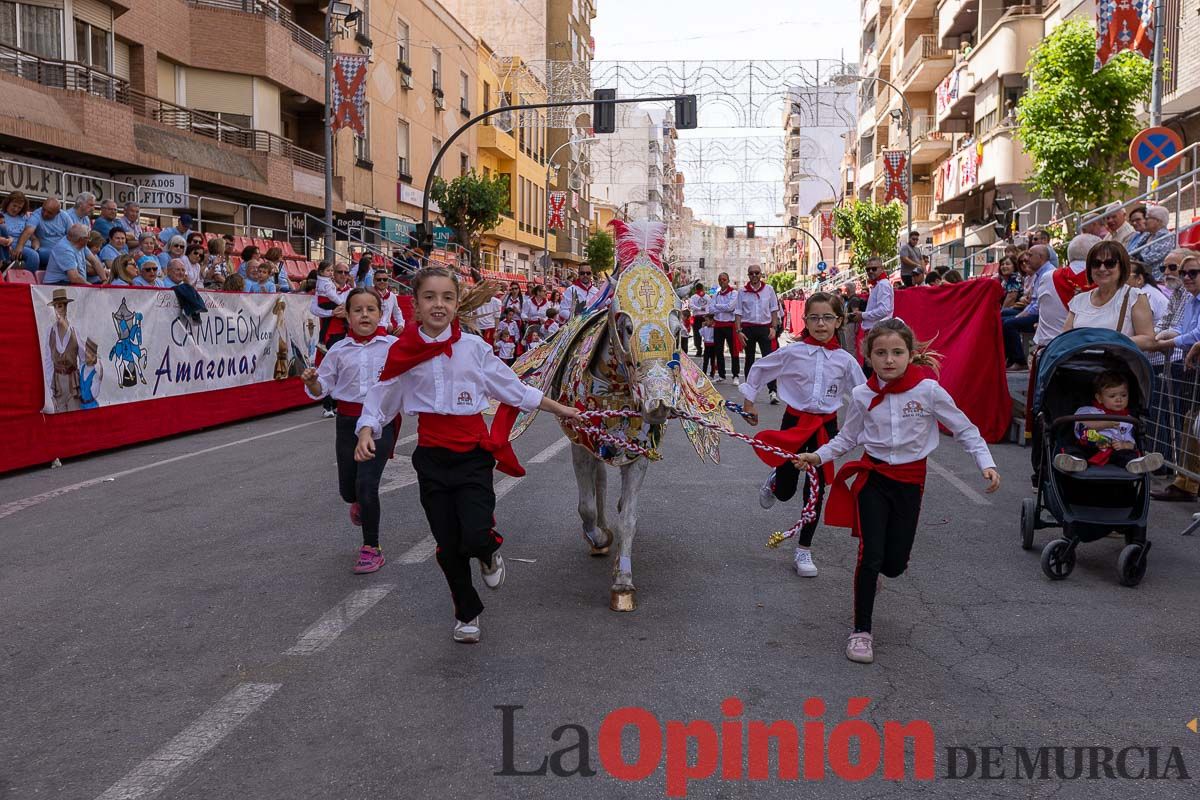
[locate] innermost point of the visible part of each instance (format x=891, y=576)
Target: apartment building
x=628, y=165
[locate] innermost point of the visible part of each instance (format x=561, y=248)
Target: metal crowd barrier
x=1174, y=429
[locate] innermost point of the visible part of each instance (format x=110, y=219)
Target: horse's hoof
x=622, y=600
x=597, y=549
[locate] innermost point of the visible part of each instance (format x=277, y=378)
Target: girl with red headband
x=895, y=417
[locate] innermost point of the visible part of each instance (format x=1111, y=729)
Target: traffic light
x=730, y=231
x=1003, y=217
x=701, y=262
x=685, y=112
x=749, y=230
x=604, y=115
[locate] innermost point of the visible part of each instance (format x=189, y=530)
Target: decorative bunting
x=349, y=91
x=555, y=206
x=826, y=226
x=1124, y=25
x=895, y=164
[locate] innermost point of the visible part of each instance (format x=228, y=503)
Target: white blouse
x=1088, y=315
x=350, y=368
x=459, y=384
x=904, y=427
x=810, y=378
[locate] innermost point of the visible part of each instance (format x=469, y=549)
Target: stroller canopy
x=1101, y=343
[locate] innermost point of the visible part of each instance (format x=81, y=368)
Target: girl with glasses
x=815, y=377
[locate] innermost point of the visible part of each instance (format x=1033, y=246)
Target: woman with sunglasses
x=1113, y=304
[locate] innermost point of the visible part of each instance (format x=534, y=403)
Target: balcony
x=918, y=9
x=870, y=10
x=956, y=101
x=1005, y=49
x=492, y=140
x=929, y=143
x=925, y=64
x=1002, y=164
x=956, y=19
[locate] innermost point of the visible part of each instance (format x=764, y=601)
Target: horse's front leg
x=590, y=478
x=621, y=596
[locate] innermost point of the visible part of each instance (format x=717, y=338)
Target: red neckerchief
x=725, y=291
x=699, y=293
x=410, y=350
x=581, y=287
x=1121, y=413
x=1068, y=283
x=364, y=339
x=536, y=304
x=830, y=344
x=752, y=290
x=383, y=294
x=911, y=377
x=878, y=277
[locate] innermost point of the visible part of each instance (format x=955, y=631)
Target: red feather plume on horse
x=637, y=237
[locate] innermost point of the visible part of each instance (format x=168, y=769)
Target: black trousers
x=460, y=503
x=888, y=512
x=758, y=335
x=710, y=359
x=697, y=340
x=359, y=483
x=723, y=337
x=787, y=478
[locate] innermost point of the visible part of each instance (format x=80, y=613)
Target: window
x=437, y=145
x=487, y=96
x=33, y=28
x=402, y=52
x=522, y=208
x=437, y=70
x=362, y=31
x=403, y=166
x=92, y=45
x=362, y=144
x=464, y=93
x=464, y=163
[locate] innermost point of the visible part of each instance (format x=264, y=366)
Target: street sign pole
x=1156, y=93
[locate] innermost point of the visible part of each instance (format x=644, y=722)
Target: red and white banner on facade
x=1124, y=25
x=826, y=226
x=895, y=163
x=349, y=92
x=556, y=204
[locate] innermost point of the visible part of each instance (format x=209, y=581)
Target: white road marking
x=410, y=438
x=28, y=502
x=952, y=479
x=337, y=619
x=156, y=772
x=399, y=474
x=422, y=550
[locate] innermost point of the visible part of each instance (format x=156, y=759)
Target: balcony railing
x=925, y=48
x=272, y=11
x=73, y=76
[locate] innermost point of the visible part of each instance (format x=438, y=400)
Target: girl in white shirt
x=346, y=373
x=895, y=417
x=815, y=377
x=445, y=377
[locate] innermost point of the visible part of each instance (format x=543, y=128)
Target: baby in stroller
x=1106, y=441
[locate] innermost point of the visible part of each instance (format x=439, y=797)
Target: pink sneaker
x=356, y=514
x=860, y=648
x=370, y=559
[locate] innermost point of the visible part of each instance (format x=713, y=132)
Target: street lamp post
x=908, y=118
x=550, y=163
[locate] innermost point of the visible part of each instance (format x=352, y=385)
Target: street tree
x=872, y=229
x=472, y=204
x=601, y=252
x=1076, y=123
x=782, y=282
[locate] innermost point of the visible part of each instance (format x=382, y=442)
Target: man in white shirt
x=1040, y=269
x=579, y=295
x=755, y=319
x=722, y=307
x=698, y=307
x=484, y=319
x=1117, y=222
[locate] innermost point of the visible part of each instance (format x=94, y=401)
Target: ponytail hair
x=921, y=353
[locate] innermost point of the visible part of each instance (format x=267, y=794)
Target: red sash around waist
x=842, y=509
x=462, y=434
x=807, y=426
x=348, y=409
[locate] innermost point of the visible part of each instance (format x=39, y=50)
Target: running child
x=815, y=377
x=347, y=371
x=895, y=417
x=444, y=378
x=329, y=305
x=1106, y=441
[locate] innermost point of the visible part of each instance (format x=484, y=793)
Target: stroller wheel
x=1058, y=559
x=1028, y=522
x=1131, y=565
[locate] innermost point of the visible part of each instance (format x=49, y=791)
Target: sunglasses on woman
x=1108, y=263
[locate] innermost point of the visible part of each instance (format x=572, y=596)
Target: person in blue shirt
x=185, y=225
x=115, y=247
x=1039, y=268
x=147, y=272
x=176, y=247
x=257, y=280
x=81, y=212
x=129, y=220
x=176, y=274
x=15, y=217
x=107, y=219
x=66, y=263
x=124, y=270
x=49, y=224
x=1042, y=237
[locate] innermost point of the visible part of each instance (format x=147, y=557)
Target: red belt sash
x=348, y=409
x=736, y=343
x=462, y=434
x=807, y=425
x=842, y=509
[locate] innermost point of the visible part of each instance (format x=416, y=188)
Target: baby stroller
x=1087, y=505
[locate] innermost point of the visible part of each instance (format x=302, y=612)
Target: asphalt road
x=190, y=629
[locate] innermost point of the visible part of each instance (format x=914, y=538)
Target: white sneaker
x=774, y=398
x=329, y=412
x=1147, y=463
x=718, y=379
x=493, y=578
x=860, y=648
x=766, y=492
x=1064, y=462
x=805, y=567
x=466, y=632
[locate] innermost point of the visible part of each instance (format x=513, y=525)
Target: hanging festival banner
x=349, y=91
x=826, y=225
x=104, y=346
x=556, y=204
x=1124, y=25
x=895, y=163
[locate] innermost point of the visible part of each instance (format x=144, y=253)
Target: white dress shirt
x=484, y=318
x=350, y=368
x=459, y=384
x=756, y=308
x=904, y=427
x=392, y=316
x=1051, y=312
x=810, y=378
x=575, y=295
x=723, y=307
x=534, y=313
x=881, y=304
x=698, y=304
x=327, y=289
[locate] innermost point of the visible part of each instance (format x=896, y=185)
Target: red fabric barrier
x=31, y=437
x=795, y=316
x=962, y=322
